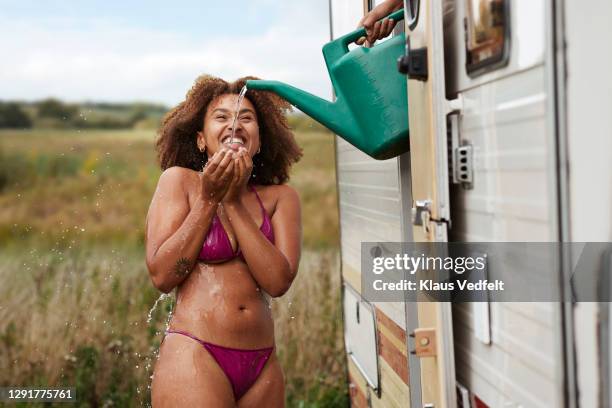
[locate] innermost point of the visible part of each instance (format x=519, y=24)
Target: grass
x=54, y=183
x=75, y=291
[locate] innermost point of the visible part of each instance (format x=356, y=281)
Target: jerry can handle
x=361, y=32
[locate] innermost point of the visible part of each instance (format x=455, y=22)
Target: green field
x=75, y=290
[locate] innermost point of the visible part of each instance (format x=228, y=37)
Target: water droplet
x=162, y=297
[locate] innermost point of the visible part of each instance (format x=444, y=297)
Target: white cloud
x=103, y=61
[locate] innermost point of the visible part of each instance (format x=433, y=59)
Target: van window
x=487, y=35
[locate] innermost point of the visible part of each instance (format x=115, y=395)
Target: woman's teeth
x=236, y=140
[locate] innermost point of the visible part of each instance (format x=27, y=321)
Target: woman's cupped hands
x=225, y=175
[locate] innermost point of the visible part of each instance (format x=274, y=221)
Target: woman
x=225, y=230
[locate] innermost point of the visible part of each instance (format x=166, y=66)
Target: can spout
x=333, y=115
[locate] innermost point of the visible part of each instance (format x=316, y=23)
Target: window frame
x=496, y=61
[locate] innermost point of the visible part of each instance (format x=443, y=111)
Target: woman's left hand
x=243, y=165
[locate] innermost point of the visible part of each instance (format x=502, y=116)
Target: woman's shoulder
x=178, y=176
x=277, y=192
x=179, y=173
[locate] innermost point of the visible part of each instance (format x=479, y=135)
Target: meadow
x=77, y=306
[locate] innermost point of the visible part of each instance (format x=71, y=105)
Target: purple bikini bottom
x=242, y=367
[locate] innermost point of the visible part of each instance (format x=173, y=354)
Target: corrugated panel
x=513, y=199
x=369, y=198
x=368, y=189
x=370, y=209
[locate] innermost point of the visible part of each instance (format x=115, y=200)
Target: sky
x=152, y=50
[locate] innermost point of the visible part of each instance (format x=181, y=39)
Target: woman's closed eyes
x=248, y=117
x=242, y=119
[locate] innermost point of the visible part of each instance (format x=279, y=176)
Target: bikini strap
x=266, y=225
x=263, y=209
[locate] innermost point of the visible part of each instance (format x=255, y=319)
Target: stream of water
x=238, y=103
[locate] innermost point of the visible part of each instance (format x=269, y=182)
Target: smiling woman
x=225, y=230
x=177, y=144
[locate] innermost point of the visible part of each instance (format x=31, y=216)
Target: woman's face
x=217, y=129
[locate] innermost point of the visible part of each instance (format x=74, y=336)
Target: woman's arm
x=273, y=266
x=174, y=232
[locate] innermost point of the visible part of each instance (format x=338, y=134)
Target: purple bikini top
x=217, y=246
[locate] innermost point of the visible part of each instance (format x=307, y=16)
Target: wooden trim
x=392, y=355
x=395, y=393
x=400, y=345
x=392, y=345
x=356, y=394
x=394, y=328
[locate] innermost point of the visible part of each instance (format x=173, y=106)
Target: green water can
x=371, y=107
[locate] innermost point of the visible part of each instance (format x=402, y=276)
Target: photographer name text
x=433, y=286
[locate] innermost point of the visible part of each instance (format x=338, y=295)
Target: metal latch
x=463, y=166
x=413, y=63
x=424, y=342
x=421, y=214
x=462, y=155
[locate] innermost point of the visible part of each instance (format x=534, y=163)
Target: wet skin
x=221, y=303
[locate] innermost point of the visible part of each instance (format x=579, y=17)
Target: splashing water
x=168, y=319
x=162, y=297
x=153, y=353
x=238, y=103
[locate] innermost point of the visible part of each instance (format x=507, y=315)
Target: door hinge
x=424, y=342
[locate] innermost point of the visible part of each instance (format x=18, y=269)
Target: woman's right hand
x=216, y=176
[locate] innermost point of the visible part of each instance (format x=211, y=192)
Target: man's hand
x=375, y=29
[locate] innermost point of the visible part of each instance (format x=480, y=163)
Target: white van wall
x=369, y=190
x=506, y=117
x=589, y=143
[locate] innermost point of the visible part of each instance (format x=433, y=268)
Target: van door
x=432, y=378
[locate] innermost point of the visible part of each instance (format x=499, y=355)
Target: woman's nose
x=235, y=123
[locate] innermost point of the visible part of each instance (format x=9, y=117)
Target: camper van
x=510, y=122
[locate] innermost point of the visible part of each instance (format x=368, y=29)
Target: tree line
x=54, y=113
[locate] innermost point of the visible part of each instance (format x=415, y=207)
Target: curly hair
x=176, y=143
